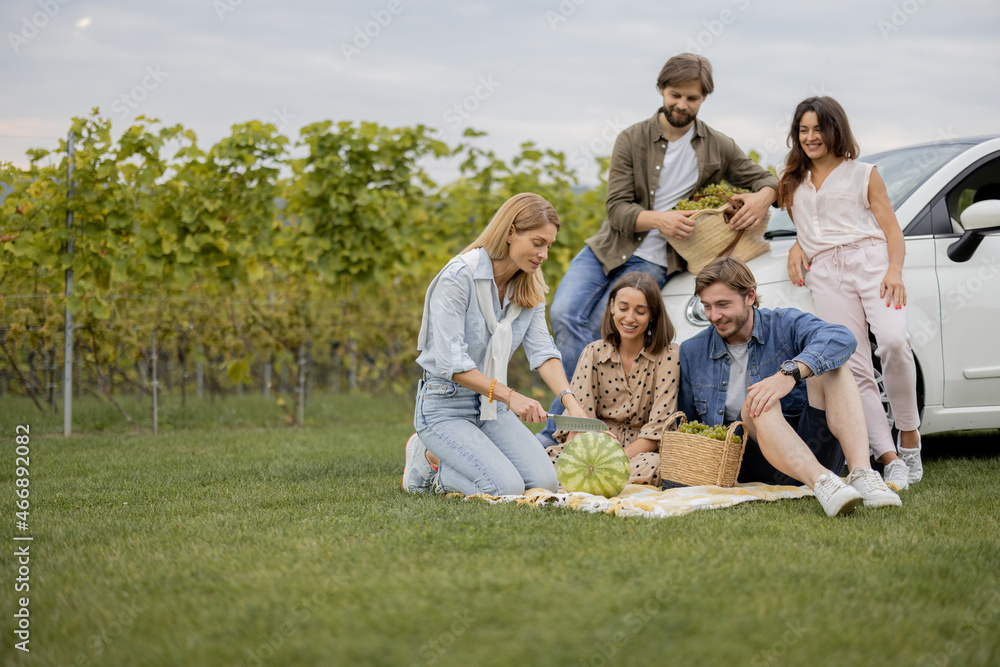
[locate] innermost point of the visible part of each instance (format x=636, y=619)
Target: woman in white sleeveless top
x=478, y=310
x=852, y=249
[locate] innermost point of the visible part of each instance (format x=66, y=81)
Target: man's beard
x=739, y=325
x=686, y=118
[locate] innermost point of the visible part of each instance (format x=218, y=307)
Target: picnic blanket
x=649, y=501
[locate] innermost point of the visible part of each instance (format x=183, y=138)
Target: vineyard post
x=55, y=377
x=68, y=327
x=302, y=385
x=270, y=359
x=182, y=358
x=267, y=377
x=352, y=346
x=352, y=369
x=336, y=370
x=49, y=359
x=155, y=385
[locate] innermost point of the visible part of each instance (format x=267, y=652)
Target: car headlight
x=696, y=312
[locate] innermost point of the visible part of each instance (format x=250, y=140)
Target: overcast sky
x=567, y=75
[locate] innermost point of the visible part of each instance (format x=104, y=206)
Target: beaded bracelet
x=491, y=389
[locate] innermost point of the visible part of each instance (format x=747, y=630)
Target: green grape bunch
x=717, y=432
x=710, y=196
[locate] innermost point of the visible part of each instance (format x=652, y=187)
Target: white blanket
x=648, y=501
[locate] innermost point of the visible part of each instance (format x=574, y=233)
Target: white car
x=951, y=272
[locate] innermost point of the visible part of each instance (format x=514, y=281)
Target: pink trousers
x=845, y=285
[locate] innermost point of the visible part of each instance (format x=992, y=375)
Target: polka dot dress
x=633, y=407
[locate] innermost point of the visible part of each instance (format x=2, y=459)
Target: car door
x=970, y=305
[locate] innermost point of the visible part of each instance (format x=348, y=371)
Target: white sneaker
x=896, y=475
x=836, y=497
x=869, y=484
x=911, y=457
x=417, y=471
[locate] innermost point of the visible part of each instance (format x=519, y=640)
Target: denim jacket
x=456, y=333
x=778, y=335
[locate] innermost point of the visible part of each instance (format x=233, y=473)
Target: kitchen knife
x=568, y=423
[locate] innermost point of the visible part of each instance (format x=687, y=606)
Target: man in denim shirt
x=752, y=365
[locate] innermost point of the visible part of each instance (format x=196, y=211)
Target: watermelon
x=593, y=463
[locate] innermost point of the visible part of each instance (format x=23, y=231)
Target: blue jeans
x=498, y=457
x=578, y=308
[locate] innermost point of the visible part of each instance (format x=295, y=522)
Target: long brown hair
x=837, y=136
x=660, y=332
x=523, y=212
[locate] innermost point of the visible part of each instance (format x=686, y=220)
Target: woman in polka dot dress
x=630, y=378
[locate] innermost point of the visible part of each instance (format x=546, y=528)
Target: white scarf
x=498, y=351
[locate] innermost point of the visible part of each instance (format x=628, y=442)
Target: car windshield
x=903, y=170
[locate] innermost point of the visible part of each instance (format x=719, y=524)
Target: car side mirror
x=982, y=215
x=978, y=218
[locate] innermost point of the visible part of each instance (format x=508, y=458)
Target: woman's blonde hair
x=524, y=212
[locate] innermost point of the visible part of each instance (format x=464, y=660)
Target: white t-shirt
x=678, y=177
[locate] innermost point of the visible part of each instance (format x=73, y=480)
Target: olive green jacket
x=634, y=176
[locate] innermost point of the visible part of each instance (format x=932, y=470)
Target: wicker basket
x=694, y=460
x=713, y=237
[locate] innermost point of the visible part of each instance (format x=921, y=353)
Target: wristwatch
x=563, y=393
x=791, y=368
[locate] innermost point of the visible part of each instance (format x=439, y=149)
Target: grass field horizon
x=231, y=539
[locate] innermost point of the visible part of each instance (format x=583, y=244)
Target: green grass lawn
x=231, y=540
